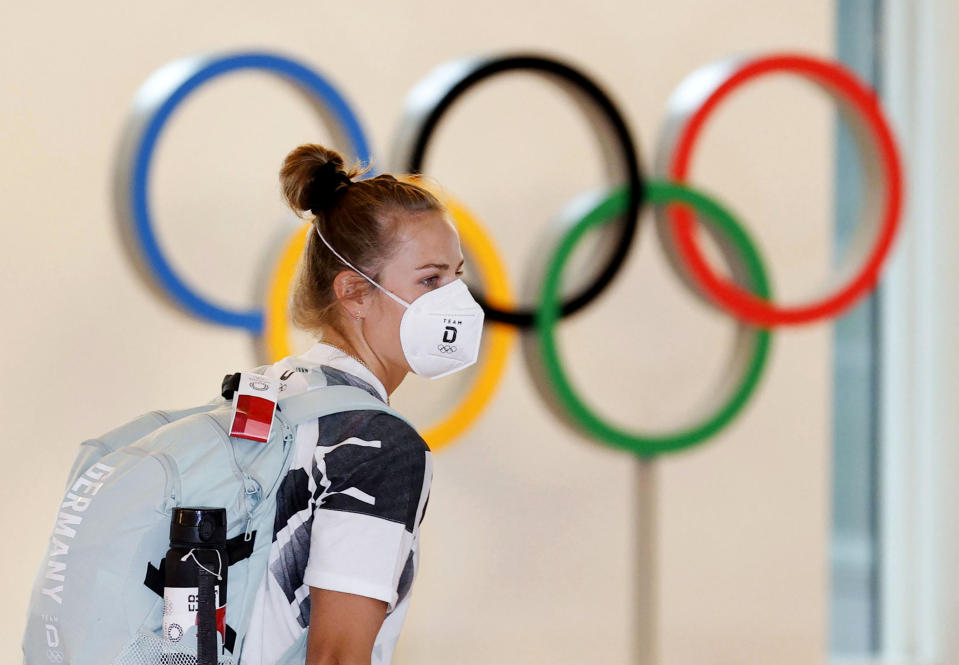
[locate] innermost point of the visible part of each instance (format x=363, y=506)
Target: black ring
x=434, y=95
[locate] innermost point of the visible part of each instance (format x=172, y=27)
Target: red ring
x=728, y=295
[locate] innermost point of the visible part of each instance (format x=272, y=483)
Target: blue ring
x=298, y=74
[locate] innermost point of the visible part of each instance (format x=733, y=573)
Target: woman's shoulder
x=377, y=454
x=387, y=427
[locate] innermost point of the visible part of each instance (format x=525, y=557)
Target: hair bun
x=313, y=178
x=328, y=183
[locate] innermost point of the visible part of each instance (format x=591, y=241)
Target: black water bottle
x=194, y=594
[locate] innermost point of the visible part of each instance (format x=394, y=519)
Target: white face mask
x=440, y=331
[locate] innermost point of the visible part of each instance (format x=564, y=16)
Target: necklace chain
x=359, y=360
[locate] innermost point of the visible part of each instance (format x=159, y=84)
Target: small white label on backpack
x=253, y=406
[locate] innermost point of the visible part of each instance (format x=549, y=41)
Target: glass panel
x=854, y=551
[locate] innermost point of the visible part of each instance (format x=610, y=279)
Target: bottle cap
x=199, y=526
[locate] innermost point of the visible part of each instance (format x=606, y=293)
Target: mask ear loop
x=337, y=254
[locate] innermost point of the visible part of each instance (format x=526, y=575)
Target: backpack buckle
x=231, y=383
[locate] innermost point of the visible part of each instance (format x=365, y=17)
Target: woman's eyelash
x=427, y=281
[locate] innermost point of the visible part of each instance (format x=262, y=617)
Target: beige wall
x=529, y=545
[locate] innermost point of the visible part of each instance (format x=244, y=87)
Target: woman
x=379, y=286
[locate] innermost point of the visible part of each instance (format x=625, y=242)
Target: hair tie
x=326, y=186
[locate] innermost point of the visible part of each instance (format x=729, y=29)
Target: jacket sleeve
x=373, y=474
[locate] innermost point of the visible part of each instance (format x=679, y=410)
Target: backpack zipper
x=252, y=487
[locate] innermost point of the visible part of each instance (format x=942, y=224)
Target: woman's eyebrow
x=439, y=266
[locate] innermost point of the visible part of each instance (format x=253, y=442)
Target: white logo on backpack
x=57, y=568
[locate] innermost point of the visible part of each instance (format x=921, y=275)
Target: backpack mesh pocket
x=148, y=648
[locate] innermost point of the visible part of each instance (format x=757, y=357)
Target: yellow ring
x=492, y=276
x=276, y=325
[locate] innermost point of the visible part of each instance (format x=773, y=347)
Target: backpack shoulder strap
x=325, y=400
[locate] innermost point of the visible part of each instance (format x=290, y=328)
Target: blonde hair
x=358, y=218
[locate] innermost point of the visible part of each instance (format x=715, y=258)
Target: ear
x=352, y=291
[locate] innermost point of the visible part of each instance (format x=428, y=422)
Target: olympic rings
x=749, y=354
x=745, y=295
x=692, y=102
x=497, y=343
x=437, y=92
x=155, y=102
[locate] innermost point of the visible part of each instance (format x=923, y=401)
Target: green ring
x=547, y=314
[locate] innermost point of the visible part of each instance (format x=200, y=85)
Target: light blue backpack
x=97, y=598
